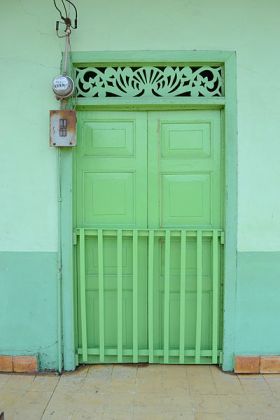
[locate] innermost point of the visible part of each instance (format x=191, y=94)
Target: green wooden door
x=149, y=221
x=111, y=192
x=184, y=191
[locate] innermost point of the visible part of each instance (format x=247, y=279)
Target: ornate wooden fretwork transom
x=149, y=81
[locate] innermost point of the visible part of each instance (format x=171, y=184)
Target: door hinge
x=74, y=238
x=222, y=238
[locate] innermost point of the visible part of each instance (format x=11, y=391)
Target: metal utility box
x=63, y=128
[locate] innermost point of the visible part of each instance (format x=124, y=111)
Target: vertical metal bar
x=151, y=296
x=182, y=297
x=120, y=297
x=83, y=295
x=101, y=294
x=198, y=295
x=215, y=297
x=166, y=296
x=135, y=296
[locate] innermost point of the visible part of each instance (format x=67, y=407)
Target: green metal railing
x=181, y=354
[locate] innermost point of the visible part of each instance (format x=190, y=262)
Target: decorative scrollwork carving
x=149, y=81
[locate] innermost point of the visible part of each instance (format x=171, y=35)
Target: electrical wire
x=76, y=14
x=73, y=5
x=59, y=11
x=66, y=19
x=66, y=53
x=66, y=14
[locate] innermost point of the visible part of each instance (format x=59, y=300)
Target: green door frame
x=229, y=123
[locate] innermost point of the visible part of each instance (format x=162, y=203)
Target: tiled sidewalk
x=136, y=392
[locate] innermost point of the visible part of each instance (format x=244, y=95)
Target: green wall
x=31, y=60
x=30, y=57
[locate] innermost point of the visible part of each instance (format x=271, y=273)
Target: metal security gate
x=149, y=258
x=191, y=344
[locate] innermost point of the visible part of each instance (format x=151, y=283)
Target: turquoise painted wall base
x=28, y=310
x=257, y=303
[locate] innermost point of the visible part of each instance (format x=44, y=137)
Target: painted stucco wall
x=30, y=57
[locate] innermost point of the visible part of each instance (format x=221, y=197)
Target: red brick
x=247, y=364
x=270, y=364
x=26, y=364
x=6, y=363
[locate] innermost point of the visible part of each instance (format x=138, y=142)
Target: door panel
x=184, y=191
x=149, y=217
x=184, y=169
x=111, y=191
x=111, y=169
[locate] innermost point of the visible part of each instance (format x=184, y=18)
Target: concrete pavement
x=141, y=392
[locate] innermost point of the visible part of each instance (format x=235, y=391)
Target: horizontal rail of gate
x=152, y=352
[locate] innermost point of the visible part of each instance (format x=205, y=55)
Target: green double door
x=149, y=212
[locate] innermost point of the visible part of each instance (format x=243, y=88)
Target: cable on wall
x=63, y=85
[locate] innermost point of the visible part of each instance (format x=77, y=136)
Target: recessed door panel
x=188, y=140
x=109, y=198
x=185, y=199
x=109, y=138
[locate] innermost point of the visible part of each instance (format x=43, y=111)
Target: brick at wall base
x=6, y=363
x=26, y=364
x=257, y=364
x=247, y=364
x=19, y=364
x=270, y=364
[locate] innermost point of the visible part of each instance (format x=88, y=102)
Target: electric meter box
x=63, y=86
x=63, y=128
